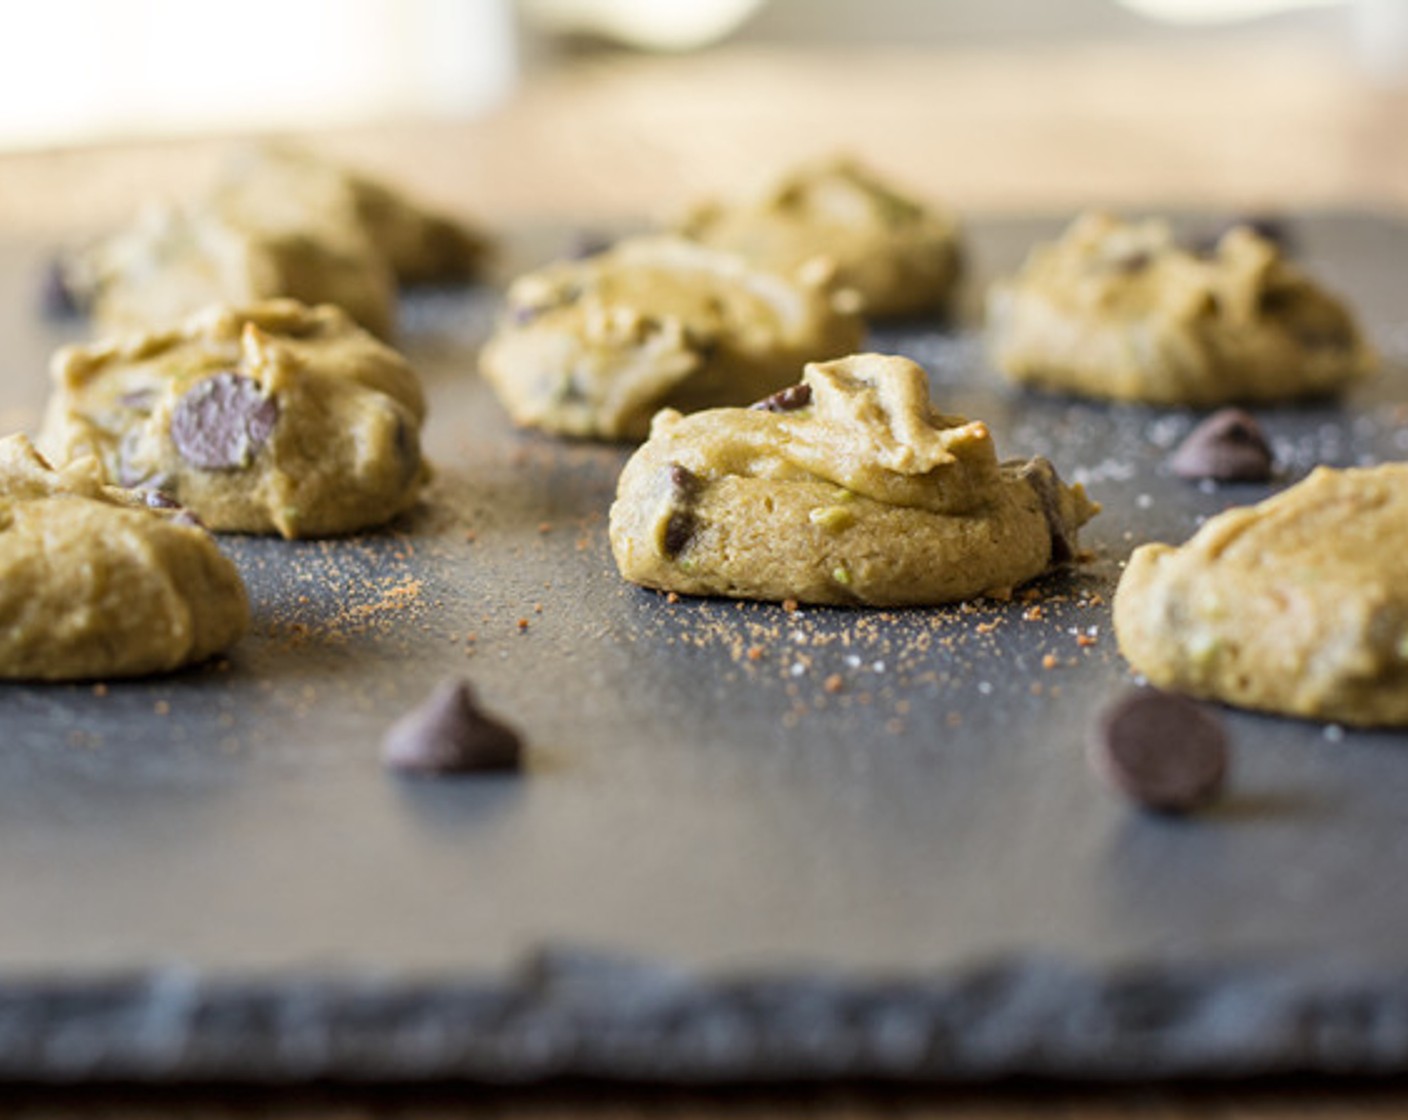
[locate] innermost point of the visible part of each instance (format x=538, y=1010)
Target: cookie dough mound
x=272, y=418
x=98, y=582
x=902, y=257
x=1123, y=311
x=179, y=258
x=594, y=347
x=278, y=222
x=275, y=184
x=849, y=488
x=1298, y=605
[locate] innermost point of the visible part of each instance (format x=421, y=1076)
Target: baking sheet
x=718, y=865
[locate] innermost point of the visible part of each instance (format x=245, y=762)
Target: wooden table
x=1239, y=124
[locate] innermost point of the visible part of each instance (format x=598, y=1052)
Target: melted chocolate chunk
x=680, y=527
x=587, y=243
x=679, y=530
x=1041, y=476
x=57, y=299
x=139, y=400
x=786, y=400
x=1164, y=752
x=684, y=483
x=1270, y=227
x=1131, y=262
x=450, y=734
x=1226, y=447
x=222, y=422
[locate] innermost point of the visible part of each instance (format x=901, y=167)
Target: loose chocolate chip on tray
x=222, y=422
x=1226, y=447
x=786, y=400
x=1162, y=751
x=449, y=734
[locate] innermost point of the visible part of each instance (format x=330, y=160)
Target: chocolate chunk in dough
x=786, y=400
x=57, y=298
x=1226, y=447
x=1162, y=751
x=223, y=422
x=450, y=733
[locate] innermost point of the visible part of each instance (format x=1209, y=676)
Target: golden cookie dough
x=849, y=488
x=1122, y=311
x=278, y=222
x=1298, y=605
x=271, y=418
x=179, y=258
x=903, y=257
x=96, y=582
x=593, y=348
x=290, y=188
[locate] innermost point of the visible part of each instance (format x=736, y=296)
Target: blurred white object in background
x=1381, y=39
x=80, y=70
x=1218, y=11
x=663, y=25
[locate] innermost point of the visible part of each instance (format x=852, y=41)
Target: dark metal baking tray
x=718, y=866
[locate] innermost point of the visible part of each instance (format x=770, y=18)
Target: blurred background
x=622, y=107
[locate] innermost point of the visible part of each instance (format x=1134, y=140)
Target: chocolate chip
x=587, y=243
x=155, y=499
x=1226, y=447
x=1040, y=475
x=684, y=483
x=57, y=299
x=786, y=400
x=139, y=400
x=1269, y=227
x=1164, y=752
x=222, y=423
x=679, y=529
x=449, y=733
x=1132, y=262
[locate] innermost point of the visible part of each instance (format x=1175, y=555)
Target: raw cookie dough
x=272, y=418
x=1297, y=605
x=849, y=489
x=100, y=582
x=179, y=258
x=594, y=347
x=902, y=257
x=1123, y=311
x=290, y=187
x=278, y=222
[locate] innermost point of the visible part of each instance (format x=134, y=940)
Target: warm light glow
x=83, y=69
x=670, y=25
x=1217, y=11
